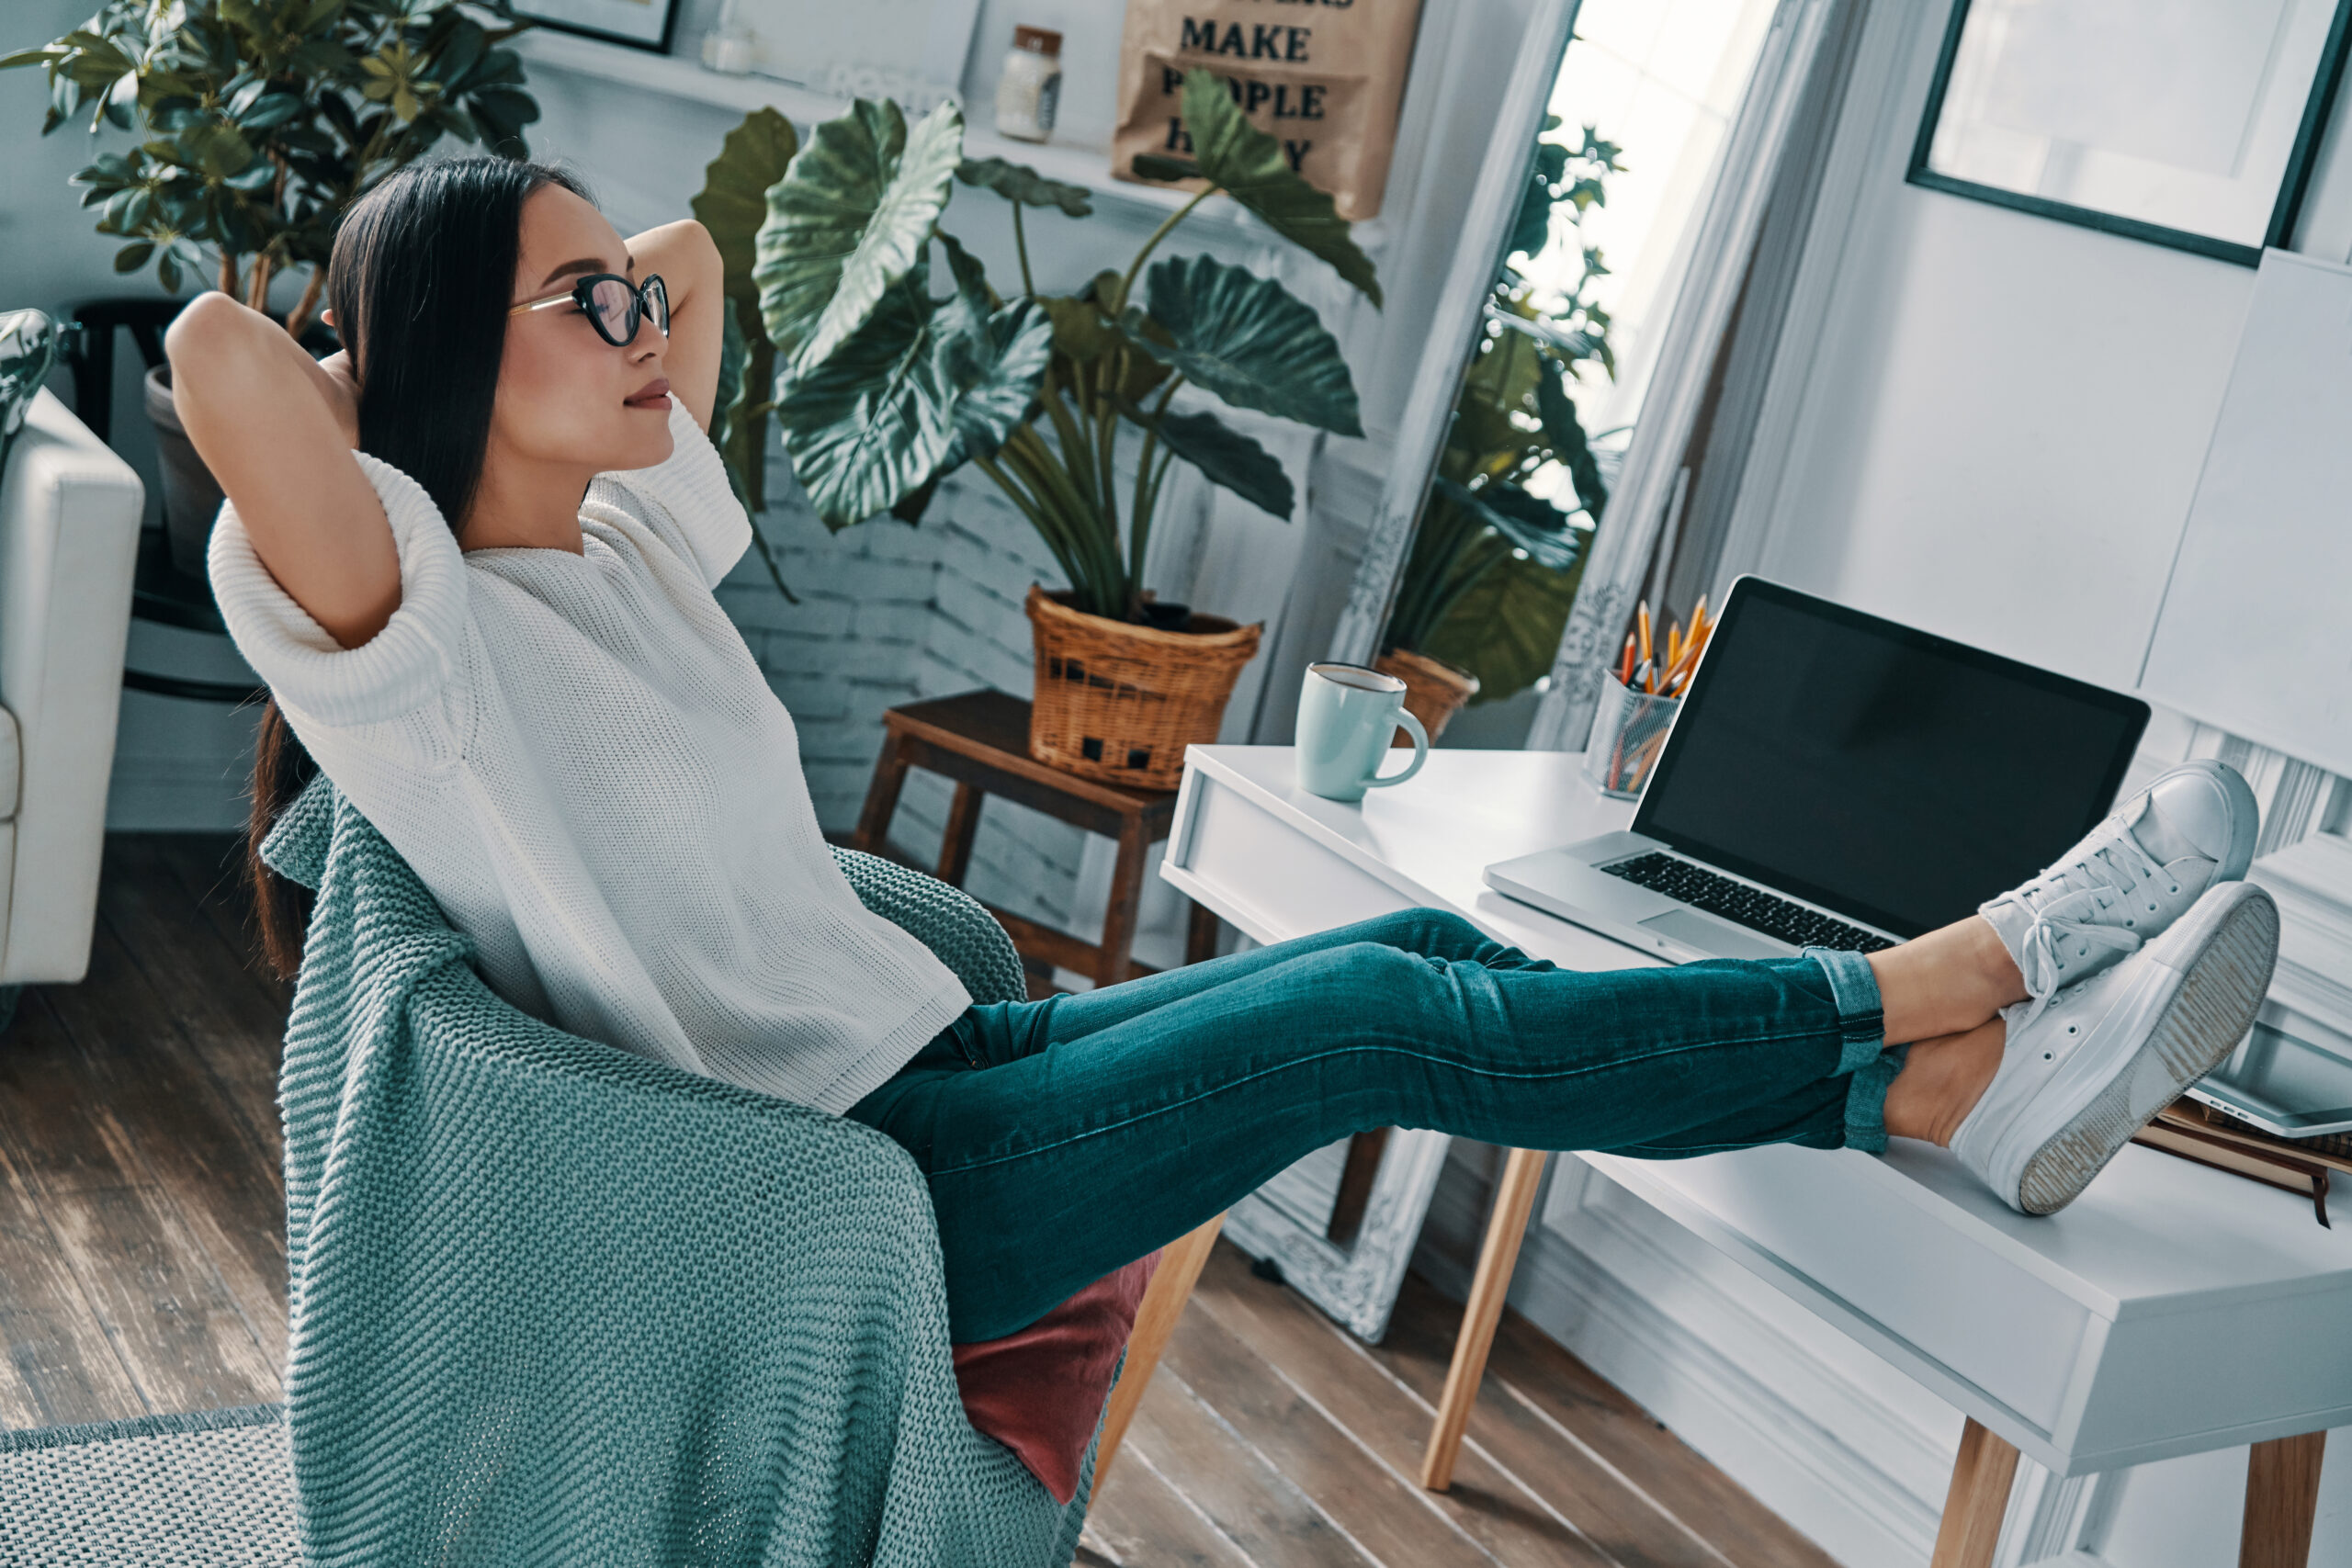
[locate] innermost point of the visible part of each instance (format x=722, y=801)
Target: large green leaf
x=1506, y=627
x=995, y=358
x=1086, y=330
x=732, y=205
x=1020, y=182
x=732, y=404
x=1227, y=457
x=1249, y=340
x=848, y=221
x=910, y=391
x=735, y=428
x=1548, y=535
x=1081, y=333
x=734, y=202
x=1255, y=172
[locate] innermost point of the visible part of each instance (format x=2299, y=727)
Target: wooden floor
x=142, y=1270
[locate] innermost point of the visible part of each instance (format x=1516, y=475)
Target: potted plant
x=882, y=390
x=261, y=121
x=1494, y=566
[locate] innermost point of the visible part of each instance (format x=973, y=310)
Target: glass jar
x=728, y=47
x=1029, y=89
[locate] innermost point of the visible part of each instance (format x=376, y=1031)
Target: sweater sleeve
x=702, y=520
x=412, y=660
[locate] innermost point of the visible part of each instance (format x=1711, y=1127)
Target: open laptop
x=1835, y=779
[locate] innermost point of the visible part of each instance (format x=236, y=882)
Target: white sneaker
x=2080, y=1076
x=2129, y=878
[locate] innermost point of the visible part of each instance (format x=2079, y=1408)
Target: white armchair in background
x=68, y=537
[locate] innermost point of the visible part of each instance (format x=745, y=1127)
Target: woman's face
x=565, y=396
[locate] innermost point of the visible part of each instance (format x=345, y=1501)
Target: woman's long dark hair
x=419, y=283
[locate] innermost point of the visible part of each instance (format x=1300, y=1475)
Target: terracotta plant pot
x=1435, y=690
x=191, y=498
x=1119, y=703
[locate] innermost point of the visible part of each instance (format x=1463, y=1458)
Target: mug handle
x=1421, y=754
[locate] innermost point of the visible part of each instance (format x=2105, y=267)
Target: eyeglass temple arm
x=547, y=304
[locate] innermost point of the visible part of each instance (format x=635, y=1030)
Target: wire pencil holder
x=1629, y=731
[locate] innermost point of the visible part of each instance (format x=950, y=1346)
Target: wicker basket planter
x=1435, y=690
x=1119, y=703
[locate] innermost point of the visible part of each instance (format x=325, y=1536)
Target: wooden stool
x=980, y=739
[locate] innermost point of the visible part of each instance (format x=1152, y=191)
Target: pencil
x=1637, y=772
x=1625, y=665
x=1642, y=622
x=1685, y=664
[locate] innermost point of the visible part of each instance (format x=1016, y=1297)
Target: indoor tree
x=260, y=120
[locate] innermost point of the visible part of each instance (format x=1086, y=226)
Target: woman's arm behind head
x=687, y=260
x=277, y=429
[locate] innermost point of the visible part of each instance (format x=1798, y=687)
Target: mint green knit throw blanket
x=554, y=1304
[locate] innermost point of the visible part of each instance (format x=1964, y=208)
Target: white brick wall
x=888, y=614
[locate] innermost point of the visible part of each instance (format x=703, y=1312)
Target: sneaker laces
x=2067, y=902
x=2042, y=955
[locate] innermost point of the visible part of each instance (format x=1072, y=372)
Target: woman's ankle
x=1947, y=982
x=1942, y=1081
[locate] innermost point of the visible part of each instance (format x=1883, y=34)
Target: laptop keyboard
x=1743, y=904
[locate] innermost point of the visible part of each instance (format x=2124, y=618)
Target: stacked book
x=2199, y=1133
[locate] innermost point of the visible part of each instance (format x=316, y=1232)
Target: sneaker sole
x=2196, y=1029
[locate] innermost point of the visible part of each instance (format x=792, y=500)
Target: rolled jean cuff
x=1861, y=1026
x=1862, y=1022
x=1866, y=1101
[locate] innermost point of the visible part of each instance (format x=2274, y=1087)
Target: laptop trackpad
x=1696, y=929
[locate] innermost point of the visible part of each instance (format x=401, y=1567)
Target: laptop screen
x=1895, y=778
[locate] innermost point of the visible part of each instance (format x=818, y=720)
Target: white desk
x=2170, y=1310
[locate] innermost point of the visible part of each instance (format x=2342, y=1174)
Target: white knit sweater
x=581, y=760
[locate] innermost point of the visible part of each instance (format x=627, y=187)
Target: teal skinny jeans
x=1067, y=1138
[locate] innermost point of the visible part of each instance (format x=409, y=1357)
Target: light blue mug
x=1347, y=717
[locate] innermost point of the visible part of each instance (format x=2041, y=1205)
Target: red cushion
x=1040, y=1392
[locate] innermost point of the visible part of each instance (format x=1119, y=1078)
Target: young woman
x=473, y=558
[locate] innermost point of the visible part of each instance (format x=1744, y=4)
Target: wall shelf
x=677, y=76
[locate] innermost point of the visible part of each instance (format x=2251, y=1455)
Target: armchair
x=68, y=537
x=550, y=1299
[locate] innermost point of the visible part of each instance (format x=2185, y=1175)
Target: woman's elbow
x=210, y=336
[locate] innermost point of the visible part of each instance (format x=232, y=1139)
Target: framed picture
x=2191, y=123
x=647, y=24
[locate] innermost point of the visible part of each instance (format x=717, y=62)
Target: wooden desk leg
x=1978, y=1499
x=1199, y=935
x=1163, y=1302
x=1514, y=1200
x=1356, y=1178
x=1119, y=919
x=2281, y=1496
x=881, y=798
x=956, y=844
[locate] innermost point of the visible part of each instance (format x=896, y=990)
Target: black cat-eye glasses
x=613, y=305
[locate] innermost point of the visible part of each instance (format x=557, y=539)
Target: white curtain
x=1725, y=237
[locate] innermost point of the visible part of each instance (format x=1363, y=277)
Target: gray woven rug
x=211, y=1490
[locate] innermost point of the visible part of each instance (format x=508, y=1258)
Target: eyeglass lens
x=615, y=305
